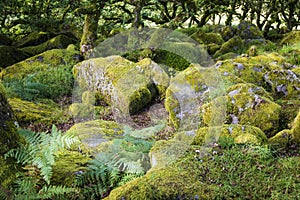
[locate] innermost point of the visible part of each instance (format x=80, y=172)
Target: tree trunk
x=89, y=35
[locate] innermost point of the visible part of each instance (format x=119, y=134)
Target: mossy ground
x=215, y=177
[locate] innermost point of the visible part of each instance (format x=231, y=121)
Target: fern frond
x=25, y=187
x=22, y=155
x=128, y=177
x=54, y=191
x=3, y=194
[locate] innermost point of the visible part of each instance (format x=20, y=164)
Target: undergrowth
x=37, y=157
x=52, y=83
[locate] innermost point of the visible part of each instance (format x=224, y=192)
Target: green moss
x=10, y=55
x=171, y=182
x=250, y=89
x=33, y=39
x=296, y=70
x=291, y=38
x=120, y=82
x=154, y=72
x=46, y=113
x=67, y=163
x=265, y=70
x=281, y=139
x=228, y=32
x=212, y=48
x=81, y=110
x=9, y=139
x=41, y=62
x=296, y=128
x=88, y=97
x=93, y=133
x=179, y=55
x=288, y=112
x=246, y=108
x=284, y=84
x=241, y=134
x=234, y=44
x=58, y=42
x=214, y=177
x=163, y=152
x=227, y=56
x=247, y=30
x=207, y=38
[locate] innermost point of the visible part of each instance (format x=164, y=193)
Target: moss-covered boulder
x=33, y=39
x=247, y=30
x=9, y=139
x=58, y=42
x=84, y=109
x=282, y=139
x=291, y=38
x=214, y=177
x=94, y=133
x=49, y=59
x=286, y=137
x=296, y=128
x=288, y=112
x=30, y=79
x=241, y=134
x=178, y=181
x=227, y=56
x=234, y=44
x=166, y=152
x=268, y=70
x=67, y=165
x=40, y=113
x=179, y=55
x=284, y=84
x=10, y=55
x=190, y=89
x=125, y=85
x=247, y=104
x=155, y=73
x=207, y=38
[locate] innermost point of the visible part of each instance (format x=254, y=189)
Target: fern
x=123, y=161
x=128, y=177
x=99, y=179
x=41, y=148
x=26, y=189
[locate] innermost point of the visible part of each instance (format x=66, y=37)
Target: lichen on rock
x=247, y=104
x=30, y=113
x=242, y=134
x=93, y=133
x=234, y=44
x=123, y=84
